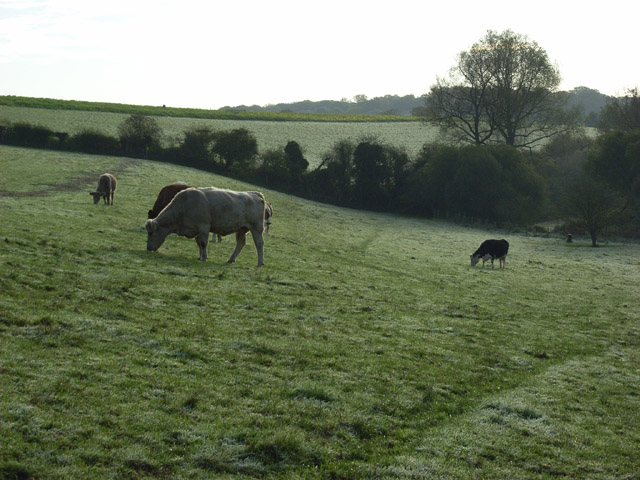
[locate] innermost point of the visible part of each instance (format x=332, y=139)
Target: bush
x=140, y=135
x=196, y=147
x=238, y=146
x=93, y=142
x=26, y=135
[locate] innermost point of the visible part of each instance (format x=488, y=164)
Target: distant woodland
x=409, y=105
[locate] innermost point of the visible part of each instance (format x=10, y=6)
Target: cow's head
x=96, y=196
x=474, y=260
x=155, y=235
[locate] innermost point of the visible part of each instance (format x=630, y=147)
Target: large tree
x=503, y=89
x=139, y=135
x=237, y=147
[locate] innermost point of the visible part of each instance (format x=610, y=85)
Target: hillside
x=366, y=347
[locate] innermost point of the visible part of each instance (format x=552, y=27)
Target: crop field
x=366, y=347
x=315, y=138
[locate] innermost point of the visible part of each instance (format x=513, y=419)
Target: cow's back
x=502, y=248
x=106, y=183
x=230, y=210
x=495, y=248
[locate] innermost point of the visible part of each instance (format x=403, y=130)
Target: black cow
x=491, y=249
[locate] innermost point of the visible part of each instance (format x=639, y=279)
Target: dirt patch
x=75, y=183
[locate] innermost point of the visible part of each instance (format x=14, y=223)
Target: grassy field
x=366, y=347
x=316, y=138
x=168, y=111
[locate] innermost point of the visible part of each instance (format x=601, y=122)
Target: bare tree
x=592, y=206
x=459, y=104
x=504, y=89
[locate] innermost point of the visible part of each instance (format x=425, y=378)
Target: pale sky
x=213, y=53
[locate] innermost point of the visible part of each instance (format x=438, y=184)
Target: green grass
x=366, y=347
x=163, y=111
x=315, y=138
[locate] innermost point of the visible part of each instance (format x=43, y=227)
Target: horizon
x=342, y=100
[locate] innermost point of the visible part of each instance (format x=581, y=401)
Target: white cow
x=195, y=212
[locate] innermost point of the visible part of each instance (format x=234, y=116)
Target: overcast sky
x=212, y=53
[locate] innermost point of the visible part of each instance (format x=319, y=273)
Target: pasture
x=366, y=347
x=315, y=138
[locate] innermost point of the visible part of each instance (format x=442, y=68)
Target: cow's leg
x=202, y=239
x=241, y=240
x=259, y=243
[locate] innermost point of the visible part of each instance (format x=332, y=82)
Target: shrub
x=236, y=146
x=94, y=142
x=26, y=135
x=140, y=135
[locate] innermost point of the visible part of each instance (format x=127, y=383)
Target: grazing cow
x=106, y=187
x=195, y=212
x=490, y=250
x=164, y=198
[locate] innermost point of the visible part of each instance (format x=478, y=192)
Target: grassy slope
x=366, y=346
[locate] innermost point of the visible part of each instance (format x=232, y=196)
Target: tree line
x=587, y=100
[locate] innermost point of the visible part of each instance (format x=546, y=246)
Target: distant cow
x=106, y=187
x=195, y=212
x=164, y=198
x=490, y=250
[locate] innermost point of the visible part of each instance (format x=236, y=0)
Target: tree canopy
x=502, y=90
x=139, y=134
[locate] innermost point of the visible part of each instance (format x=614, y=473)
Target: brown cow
x=106, y=187
x=165, y=196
